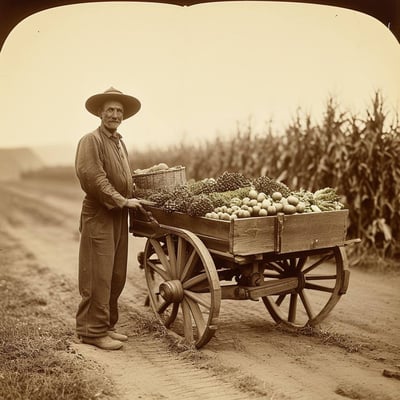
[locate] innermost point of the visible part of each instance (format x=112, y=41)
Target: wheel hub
x=172, y=291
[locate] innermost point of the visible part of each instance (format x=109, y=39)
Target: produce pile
x=232, y=195
x=154, y=168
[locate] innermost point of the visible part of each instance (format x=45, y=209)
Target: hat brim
x=95, y=103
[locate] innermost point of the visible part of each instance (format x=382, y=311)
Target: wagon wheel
x=323, y=279
x=183, y=285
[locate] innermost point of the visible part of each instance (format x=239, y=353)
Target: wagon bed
x=246, y=236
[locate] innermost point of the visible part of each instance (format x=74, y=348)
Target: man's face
x=112, y=115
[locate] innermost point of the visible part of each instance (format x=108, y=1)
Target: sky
x=199, y=71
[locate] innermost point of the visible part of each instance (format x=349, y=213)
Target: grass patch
x=356, y=391
x=36, y=360
x=144, y=323
x=148, y=324
x=243, y=381
x=324, y=336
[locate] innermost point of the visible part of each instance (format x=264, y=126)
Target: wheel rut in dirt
x=144, y=369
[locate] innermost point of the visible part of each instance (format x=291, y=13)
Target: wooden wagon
x=296, y=264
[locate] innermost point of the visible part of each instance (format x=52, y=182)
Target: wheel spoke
x=163, y=306
x=172, y=256
x=197, y=316
x=275, y=267
x=190, y=264
x=187, y=321
x=174, y=313
x=161, y=255
x=320, y=288
x=181, y=256
x=306, y=304
x=195, y=280
x=280, y=299
x=323, y=259
x=292, y=307
x=164, y=274
x=301, y=263
x=201, y=298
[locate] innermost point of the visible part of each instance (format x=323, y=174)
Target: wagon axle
x=269, y=288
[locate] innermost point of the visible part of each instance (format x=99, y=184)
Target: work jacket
x=103, y=169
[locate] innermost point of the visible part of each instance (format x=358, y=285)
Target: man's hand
x=137, y=204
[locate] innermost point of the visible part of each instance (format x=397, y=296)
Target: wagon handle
x=148, y=217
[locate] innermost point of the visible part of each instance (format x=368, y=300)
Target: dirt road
x=249, y=357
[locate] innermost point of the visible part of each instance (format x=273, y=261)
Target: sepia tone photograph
x=200, y=200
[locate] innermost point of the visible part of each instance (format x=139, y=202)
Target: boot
x=117, y=336
x=103, y=342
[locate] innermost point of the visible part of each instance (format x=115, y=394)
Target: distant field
x=63, y=173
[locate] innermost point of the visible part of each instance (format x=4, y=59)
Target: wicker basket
x=163, y=179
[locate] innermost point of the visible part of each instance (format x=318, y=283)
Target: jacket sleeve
x=92, y=176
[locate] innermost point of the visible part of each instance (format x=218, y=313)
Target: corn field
x=359, y=156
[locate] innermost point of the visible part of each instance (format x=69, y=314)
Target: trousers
x=103, y=257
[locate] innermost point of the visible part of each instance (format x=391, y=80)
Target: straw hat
x=131, y=104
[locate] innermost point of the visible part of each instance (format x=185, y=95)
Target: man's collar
x=110, y=135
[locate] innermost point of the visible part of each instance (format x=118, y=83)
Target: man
x=104, y=173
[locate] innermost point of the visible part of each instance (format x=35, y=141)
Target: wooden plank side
x=201, y=226
x=313, y=230
x=258, y=235
x=144, y=229
x=253, y=236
